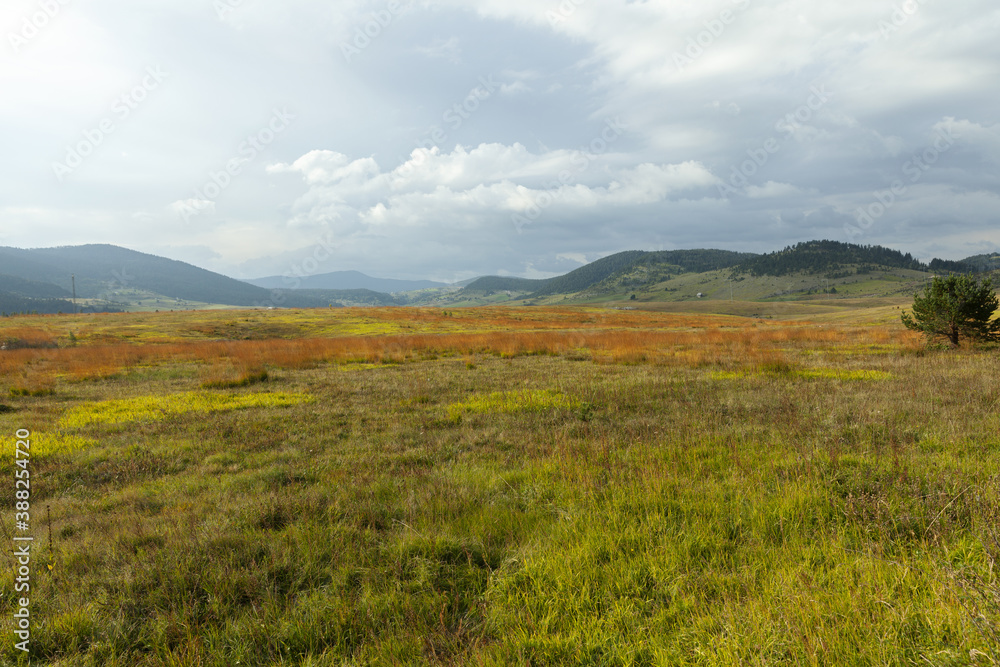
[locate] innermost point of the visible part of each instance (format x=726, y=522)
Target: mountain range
x=111, y=278
x=345, y=280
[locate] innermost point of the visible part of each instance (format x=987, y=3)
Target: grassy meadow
x=501, y=486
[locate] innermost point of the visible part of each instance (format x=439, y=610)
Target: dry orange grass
x=26, y=337
x=747, y=346
x=604, y=336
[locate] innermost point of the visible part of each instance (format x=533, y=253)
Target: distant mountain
x=39, y=280
x=100, y=268
x=35, y=280
x=345, y=280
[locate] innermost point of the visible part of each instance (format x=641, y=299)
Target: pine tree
x=954, y=308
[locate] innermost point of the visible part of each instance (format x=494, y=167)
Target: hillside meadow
x=497, y=486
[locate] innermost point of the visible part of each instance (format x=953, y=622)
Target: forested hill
x=816, y=257
x=100, y=267
x=11, y=303
x=983, y=262
x=591, y=274
x=695, y=261
x=585, y=277
x=31, y=289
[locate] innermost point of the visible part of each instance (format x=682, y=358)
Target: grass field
x=494, y=486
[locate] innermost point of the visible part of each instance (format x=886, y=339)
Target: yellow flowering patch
x=837, y=374
x=352, y=367
x=527, y=400
x=48, y=444
x=810, y=374
x=153, y=408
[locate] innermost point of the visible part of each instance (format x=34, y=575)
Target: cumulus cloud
x=478, y=187
x=413, y=172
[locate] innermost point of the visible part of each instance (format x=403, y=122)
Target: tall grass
x=714, y=495
x=234, y=360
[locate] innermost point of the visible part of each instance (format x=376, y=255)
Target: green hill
x=591, y=274
x=100, y=268
x=113, y=277
x=32, y=289
x=983, y=262
x=833, y=258
x=629, y=268
x=11, y=303
x=826, y=257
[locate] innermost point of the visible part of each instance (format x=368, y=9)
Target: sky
x=445, y=139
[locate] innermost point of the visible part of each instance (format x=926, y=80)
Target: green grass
x=578, y=513
x=148, y=408
x=512, y=402
x=806, y=374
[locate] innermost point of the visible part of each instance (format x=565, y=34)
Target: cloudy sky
x=450, y=138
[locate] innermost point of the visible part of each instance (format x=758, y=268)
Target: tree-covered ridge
x=591, y=274
x=696, y=261
x=656, y=267
x=574, y=281
x=948, y=266
x=989, y=262
x=14, y=303
x=815, y=257
x=31, y=289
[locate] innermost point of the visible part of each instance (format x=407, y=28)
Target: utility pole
x=75, y=310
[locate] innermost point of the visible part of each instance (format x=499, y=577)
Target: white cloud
x=444, y=49
x=772, y=189
x=468, y=188
x=347, y=165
